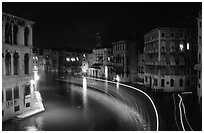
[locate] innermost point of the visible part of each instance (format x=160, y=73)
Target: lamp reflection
x=85, y=93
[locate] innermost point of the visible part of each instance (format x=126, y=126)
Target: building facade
x=125, y=60
x=102, y=64
x=17, y=66
x=198, y=66
x=47, y=53
x=168, y=52
x=141, y=68
x=38, y=60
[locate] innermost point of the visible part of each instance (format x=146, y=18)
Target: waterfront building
x=125, y=60
x=17, y=66
x=169, y=59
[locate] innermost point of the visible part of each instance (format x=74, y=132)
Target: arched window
x=172, y=83
x=26, y=34
x=16, y=63
x=26, y=63
x=8, y=63
x=8, y=34
x=15, y=32
x=181, y=82
x=162, y=83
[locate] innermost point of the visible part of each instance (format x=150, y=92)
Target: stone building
x=102, y=66
x=17, y=66
x=198, y=66
x=169, y=59
x=125, y=60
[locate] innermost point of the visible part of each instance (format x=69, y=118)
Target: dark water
x=68, y=107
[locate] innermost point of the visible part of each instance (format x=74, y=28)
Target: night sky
x=75, y=24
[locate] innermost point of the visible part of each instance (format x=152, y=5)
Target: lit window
x=108, y=58
x=68, y=59
x=77, y=58
x=72, y=59
x=84, y=55
x=188, y=46
x=181, y=47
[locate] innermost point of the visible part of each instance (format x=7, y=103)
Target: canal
x=73, y=107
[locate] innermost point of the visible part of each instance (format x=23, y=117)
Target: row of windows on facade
x=8, y=64
x=164, y=73
x=11, y=35
x=164, y=35
x=171, y=82
x=120, y=47
x=181, y=46
x=15, y=95
x=171, y=58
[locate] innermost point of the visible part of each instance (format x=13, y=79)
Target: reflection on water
x=85, y=94
x=117, y=86
x=75, y=107
x=106, y=86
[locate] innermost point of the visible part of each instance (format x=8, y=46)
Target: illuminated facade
x=63, y=61
x=169, y=59
x=17, y=66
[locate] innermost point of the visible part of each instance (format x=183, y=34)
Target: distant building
x=125, y=60
x=17, y=66
x=38, y=60
x=102, y=66
x=47, y=54
x=55, y=60
x=141, y=69
x=63, y=61
x=88, y=61
x=169, y=59
x=198, y=66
